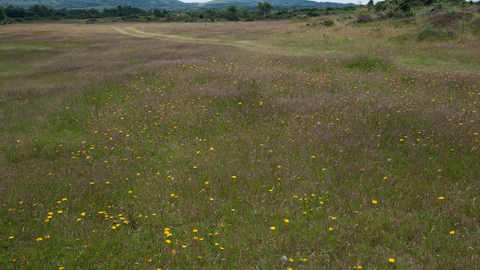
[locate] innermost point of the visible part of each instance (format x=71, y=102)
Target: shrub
x=91, y=21
x=475, y=26
x=366, y=63
x=444, y=21
x=362, y=20
x=328, y=23
x=342, y=17
x=362, y=14
x=428, y=33
x=301, y=18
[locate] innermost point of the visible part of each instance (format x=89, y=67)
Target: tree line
x=42, y=11
x=262, y=11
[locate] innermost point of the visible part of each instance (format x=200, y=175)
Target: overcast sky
x=364, y=2
x=334, y=1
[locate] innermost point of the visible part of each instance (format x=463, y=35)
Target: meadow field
x=240, y=145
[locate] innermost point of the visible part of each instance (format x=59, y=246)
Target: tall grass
x=264, y=145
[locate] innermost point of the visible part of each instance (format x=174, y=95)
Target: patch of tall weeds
x=366, y=63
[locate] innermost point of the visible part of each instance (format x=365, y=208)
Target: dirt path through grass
x=244, y=44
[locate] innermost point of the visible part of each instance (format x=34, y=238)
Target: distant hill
x=98, y=3
x=275, y=3
x=165, y=4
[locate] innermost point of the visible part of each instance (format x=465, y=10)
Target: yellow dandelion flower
x=286, y=220
x=452, y=232
x=168, y=241
x=11, y=237
x=391, y=260
x=330, y=229
x=441, y=198
x=374, y=202
x=272, y=228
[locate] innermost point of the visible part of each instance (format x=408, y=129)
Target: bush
x=362, y=20
x=91, y=21
x=428, y=33
x=343, y=17
x=475, y=26
x=328, y=23
x=301, y=18
x=362, y=14
x=444, y=21
x=366, y=63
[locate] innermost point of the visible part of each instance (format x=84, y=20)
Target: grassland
x=229, y=146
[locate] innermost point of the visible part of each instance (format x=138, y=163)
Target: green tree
x=36, y=10
x=3, y=16
x=370, y=4
x=232, y=9
x=400, y=5
x=264, y=7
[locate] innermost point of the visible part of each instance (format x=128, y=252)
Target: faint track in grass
x=132, y=31
x=244, y=44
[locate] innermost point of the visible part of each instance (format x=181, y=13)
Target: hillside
x=163, y=3
x=275, y=3
x=98, y=3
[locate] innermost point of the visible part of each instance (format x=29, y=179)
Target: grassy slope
x=136, y=147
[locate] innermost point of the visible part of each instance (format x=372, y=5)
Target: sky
x=334, y=1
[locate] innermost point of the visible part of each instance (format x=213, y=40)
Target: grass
x=180, y=146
